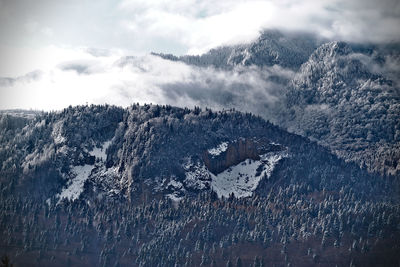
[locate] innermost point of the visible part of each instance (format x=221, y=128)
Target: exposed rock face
x=237, y=151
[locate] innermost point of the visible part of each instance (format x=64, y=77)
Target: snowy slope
x=219, y=149
x=243, y=178
x=100, y=153
x=81, y=174
x=75, y=187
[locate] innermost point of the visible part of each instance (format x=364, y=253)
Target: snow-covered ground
x=82, y=173
x=100, y=153
x=75, y=188
x=242, y=179
x=219, y=149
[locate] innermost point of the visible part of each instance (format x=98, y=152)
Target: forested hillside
x=102, y=185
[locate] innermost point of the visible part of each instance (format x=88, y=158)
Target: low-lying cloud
x=144, y=79
x=27, y=78
x=123, y=80
x=81, y=67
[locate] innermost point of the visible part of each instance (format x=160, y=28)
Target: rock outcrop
x=238, y=151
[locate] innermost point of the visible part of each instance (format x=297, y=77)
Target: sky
x=57, y=53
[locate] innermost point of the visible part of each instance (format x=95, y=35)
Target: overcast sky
x=45, y=42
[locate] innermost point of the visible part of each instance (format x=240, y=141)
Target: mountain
x=338, y=99
x=272, y=47
x=344, y=95
x=159, y=185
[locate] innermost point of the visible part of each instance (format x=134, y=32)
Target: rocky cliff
x=236, y=152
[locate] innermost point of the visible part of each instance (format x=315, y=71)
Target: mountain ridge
x=332, y=81
x=104, y=185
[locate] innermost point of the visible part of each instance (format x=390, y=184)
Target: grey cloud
x=98, y=52
x=256, y=94
x=29, y=77
x=80, y=67
x=7, y=81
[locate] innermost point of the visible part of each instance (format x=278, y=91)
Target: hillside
x=337, y=99
x=158, y=185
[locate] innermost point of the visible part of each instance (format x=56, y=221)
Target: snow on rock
x=219, y=149
x=197, y=176
x=174, y=197
x=75, y=187
x=100, y=153
x=177, y=188
x=57, y=133
x=243, y=178
x=175, y=184
x=40, y=124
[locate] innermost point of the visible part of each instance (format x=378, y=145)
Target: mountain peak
x=272, y=47
x=331, y=50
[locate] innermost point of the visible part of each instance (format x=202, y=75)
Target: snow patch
x=100, y=153
x=57, y=133
x=246, y=57
x=174, y=197
x=175, y=184
x=81, y=174
x=40, y=124
x=219, y=149
x=243, y=178
x=75, y=188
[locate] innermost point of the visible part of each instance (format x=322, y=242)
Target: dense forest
x=313, y=209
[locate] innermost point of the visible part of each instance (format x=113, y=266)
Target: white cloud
x=125, y=80
x=56, y=37
x=189, y=26
x=47, y=31
x=201, y=25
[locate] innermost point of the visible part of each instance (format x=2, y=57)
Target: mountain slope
x=165, y=148
x=272, y=47
x=344, y=95
x=336, y=98
x=158, y=185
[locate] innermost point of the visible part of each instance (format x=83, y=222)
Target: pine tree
x=239, y=262
x=5, y=262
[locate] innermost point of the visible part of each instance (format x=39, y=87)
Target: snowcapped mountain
x=272, y=47
x=343, y=95
x=340, y=99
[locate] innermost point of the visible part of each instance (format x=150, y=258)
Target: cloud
x=189, y=26
x=249, y=90
x=27, y=78
x=98, y=52
x=201, y=25
x=81, y=67
x=144, y=79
